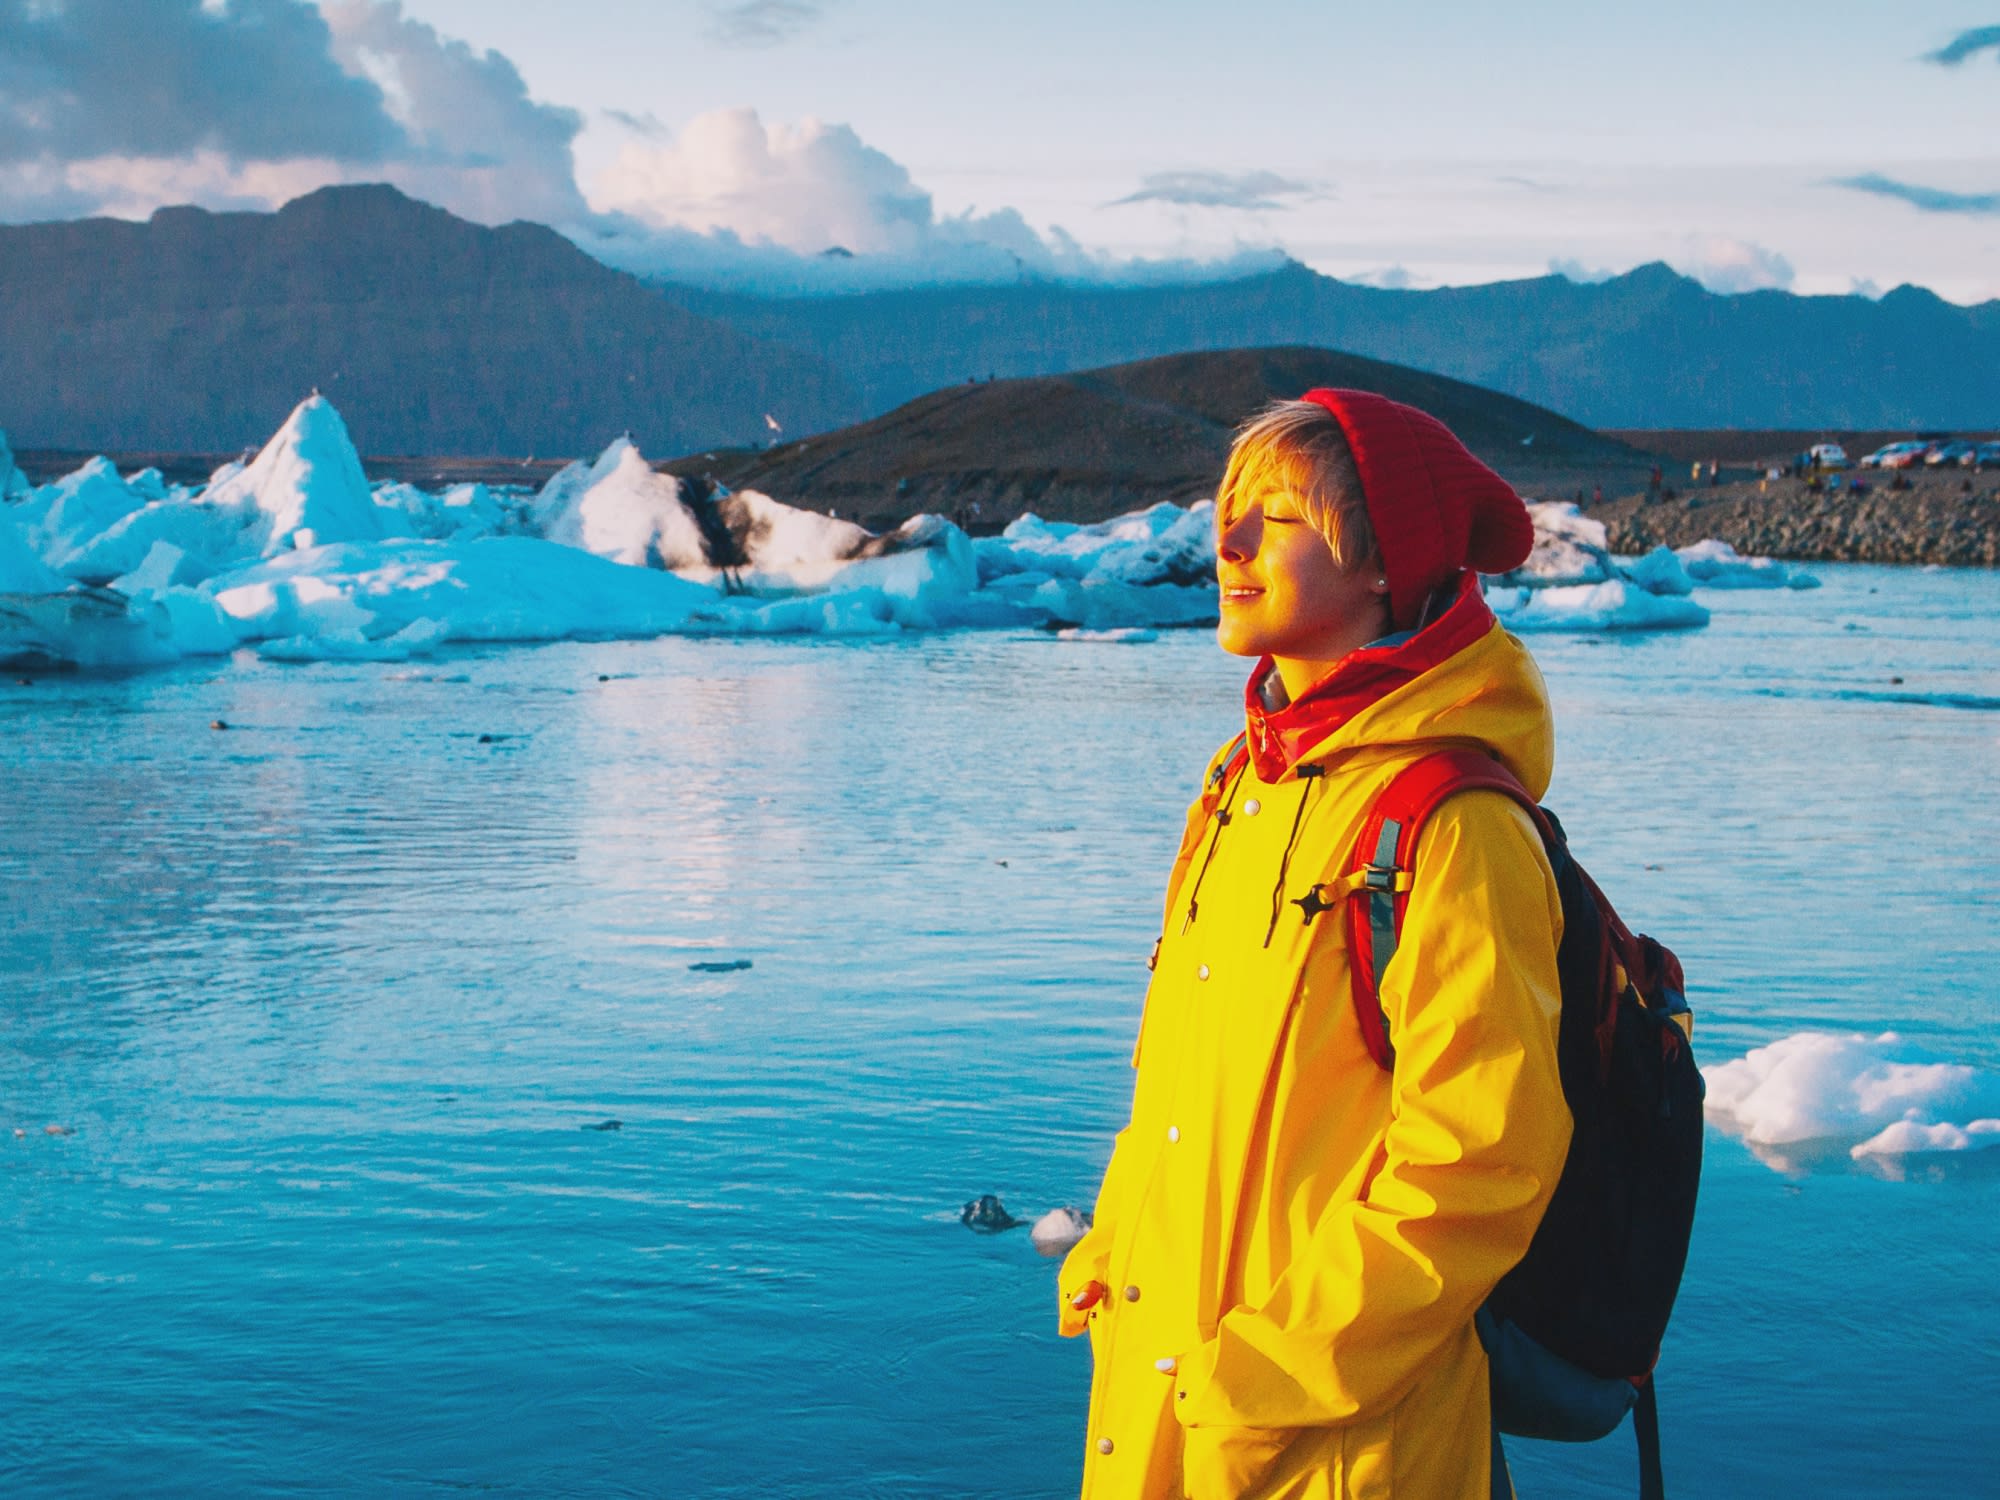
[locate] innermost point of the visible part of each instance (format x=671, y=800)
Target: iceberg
x=46, y=618
x=1570, y=549
x=70, y=513
x=1717, y=565
x=303, y=489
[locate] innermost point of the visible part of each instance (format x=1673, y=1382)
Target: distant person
x=1654, y=483
x=1714, y=472
x=1694, y=474
x=1291, y=1240
x=1597, y=493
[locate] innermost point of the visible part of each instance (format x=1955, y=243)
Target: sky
x=1831, y=147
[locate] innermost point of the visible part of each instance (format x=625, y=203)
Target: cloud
x=1966, y=44
x=1571, y=269
x=1389, y=279
x=1865, y=286
x=1248, y=191
x=474, y=142
x=255, y=80
x=648, y=124
x=760, y=23
x=1931, y=200
x=1730, y=265
x=118, y=106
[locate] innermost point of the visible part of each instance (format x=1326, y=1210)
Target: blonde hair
x=1299, y=446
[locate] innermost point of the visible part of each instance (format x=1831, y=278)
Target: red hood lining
x=1360, y=679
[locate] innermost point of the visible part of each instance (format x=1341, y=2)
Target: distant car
x=1948, y=454
x=1986, y=455
x=1827, y=455
x=1894, y=456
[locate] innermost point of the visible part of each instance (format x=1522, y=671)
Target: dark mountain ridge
x=1647, y=349
x=197, y=330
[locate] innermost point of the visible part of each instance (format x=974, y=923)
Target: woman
x=1291, y=1241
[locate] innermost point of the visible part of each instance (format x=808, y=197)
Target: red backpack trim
x=1384, y=859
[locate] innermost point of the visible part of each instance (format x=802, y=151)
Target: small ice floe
x=1131, y=635
x=1613, y=605
x=1058, y=1229
x=1716, y=565
x=57, y=1130
x=1815, y=1093
x=720, y=965
x=987, y=1214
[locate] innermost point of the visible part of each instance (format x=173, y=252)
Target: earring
x=1381, y=583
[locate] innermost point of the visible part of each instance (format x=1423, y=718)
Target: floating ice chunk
x=1822, y=1086
x=460, y=513
x=1615, y=605
x=418, y=638
x=1659, y=572
x=164, y=566
x=1715, y=564
x=490, y=589
x=1914, y=1138
x=1163, y=544
x=1119, y=606
x=1569, y=549
x=77, y=508
x=22, y=570
x=853, y=613
x=1056, y=1231
x=306, y=480
x=207, y=537
x=149, y=484
x=620, y=509
x=1130, y=636
x=84, y=627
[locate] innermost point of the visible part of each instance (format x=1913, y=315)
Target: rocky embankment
x=1938, y=519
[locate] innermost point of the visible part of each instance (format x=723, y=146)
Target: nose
x=1237, y=539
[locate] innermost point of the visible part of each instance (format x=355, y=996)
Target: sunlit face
x=1284, y=596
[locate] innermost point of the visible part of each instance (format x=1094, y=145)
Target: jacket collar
x=1280, y=737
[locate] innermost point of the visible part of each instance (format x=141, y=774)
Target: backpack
x=1571, y=1333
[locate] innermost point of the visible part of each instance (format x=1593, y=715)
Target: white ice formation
x=1717, y=565
x=1873, y=1096
x=1056, y=1231
x=295, y=555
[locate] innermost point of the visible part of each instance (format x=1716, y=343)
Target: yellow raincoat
x=1294, y=1241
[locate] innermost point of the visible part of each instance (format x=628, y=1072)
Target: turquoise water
x=327, y=999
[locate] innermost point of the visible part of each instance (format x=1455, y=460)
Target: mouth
x=1239, y=593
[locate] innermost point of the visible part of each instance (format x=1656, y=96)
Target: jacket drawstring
x=1221, y=822
x=1310, y=774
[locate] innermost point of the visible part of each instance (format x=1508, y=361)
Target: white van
x=1827, y=456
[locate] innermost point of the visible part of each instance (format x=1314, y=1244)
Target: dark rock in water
x=720, y=966
x=486, y=739
x=988, y=1214
x=606, y=1125
x=218, y=724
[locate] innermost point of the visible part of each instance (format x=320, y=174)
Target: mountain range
x=198, y=331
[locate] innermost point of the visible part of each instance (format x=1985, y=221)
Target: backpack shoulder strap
x=1384, y=858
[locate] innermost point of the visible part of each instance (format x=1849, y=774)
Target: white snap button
x=1202, y=972
x=1252, y=808
x=1105, y=1445
x=1173, y=1132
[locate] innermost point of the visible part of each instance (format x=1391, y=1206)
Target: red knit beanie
x=1435, y=508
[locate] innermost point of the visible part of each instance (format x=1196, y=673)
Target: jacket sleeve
x=1475, y=1143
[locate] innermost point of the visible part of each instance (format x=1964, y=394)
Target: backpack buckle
x=1386, y=879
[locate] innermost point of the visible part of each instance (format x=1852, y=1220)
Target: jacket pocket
x=1229, y=1463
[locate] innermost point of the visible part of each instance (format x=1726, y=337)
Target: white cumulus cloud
x=1728, y=265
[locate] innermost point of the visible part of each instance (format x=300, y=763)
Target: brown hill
x=1086, y=446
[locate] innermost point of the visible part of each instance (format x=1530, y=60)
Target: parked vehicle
x=1949, y=454
x=1986, y=456
x=1827, y=456
x=1907, y=452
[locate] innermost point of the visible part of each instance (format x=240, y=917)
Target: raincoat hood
x=1462, y=679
